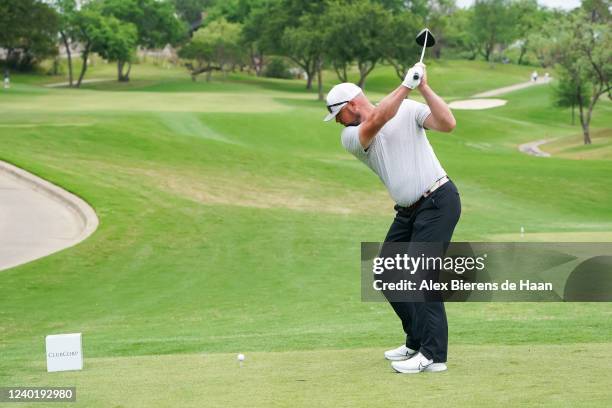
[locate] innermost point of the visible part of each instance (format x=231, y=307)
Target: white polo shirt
x=400, y=153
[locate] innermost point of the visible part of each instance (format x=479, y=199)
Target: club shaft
x=424, y=46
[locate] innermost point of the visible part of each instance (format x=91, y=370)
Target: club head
x=420, y=38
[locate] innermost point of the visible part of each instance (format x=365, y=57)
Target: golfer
x=390, y=139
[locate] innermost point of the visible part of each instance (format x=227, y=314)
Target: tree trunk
x=585, y=132
x=121, y=76
x=9, y=55
x=85, y=57
x=309, y=79
x=195, y=71
x=400, y=71
x=341, y=73
x=127, y=74
x=522, y=54
x=69, y=55
x=573, y=115
x=260, y=64
x=584, y=123
x=320, y=79
x=256, y=61
x=311, y=70
x=364, y=71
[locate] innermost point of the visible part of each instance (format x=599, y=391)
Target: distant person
x=534, y=76
x=390, y=139
x=7, y=79
x=547, y=75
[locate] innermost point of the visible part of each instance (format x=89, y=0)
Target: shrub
x=277, y=68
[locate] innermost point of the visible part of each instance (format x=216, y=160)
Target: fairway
x=231, y=220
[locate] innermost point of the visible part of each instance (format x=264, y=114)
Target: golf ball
x=240, y=357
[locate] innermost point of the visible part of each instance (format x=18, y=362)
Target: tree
x=86, y=24
x=115, y=40
x=357, y=32
x=68, y=14
x=306, y=42
x=155, y=21
x=269, y=24
x=258, y=36
x=529, y=18
x=251, y=14
x=570, y=91
x=398, y=50
x=234, y=11
x=212, y=48
x=583, y=51
x=598, y=11
x=28, y=32
x=439, y=18
x=458, y=33
x=198, y=55
x=492, y=23
x=190, y=11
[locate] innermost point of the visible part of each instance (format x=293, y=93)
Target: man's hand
x=423, y=83
x=414, y=76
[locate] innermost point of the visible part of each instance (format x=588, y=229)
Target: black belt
x=418, y=202
x=411, y=207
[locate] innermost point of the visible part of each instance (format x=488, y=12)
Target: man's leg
x=401, y=231
x=435, y=222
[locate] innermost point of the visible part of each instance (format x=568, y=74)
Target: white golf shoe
x=417, y=364
x=399, y=354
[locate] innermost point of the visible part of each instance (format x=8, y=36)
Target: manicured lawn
x=231, y=221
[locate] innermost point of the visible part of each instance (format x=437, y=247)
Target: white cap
x=339, y=96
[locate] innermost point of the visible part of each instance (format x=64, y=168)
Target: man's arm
x=382, y=113
x=441, y=118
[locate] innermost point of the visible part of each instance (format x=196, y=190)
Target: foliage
x=583, y=51
x=402, y=54
x=213, y=48
x=190, y=11
x=357, y=32
x=28, y=31
x=155, y=21
x=114, y=40
x=492, y=23
x=277, y=68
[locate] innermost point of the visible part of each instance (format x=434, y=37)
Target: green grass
x=480, y=376
x=231, y=220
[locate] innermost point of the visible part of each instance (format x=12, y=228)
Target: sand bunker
x=473, y=104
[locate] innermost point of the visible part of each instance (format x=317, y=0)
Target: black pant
x=433, y=220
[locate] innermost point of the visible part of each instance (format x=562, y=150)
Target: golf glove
x=410, y=81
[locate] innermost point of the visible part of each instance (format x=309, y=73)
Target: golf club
x=426, y=39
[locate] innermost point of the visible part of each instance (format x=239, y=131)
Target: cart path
x=511, y=88
x=38, y=218
x=533, y=148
